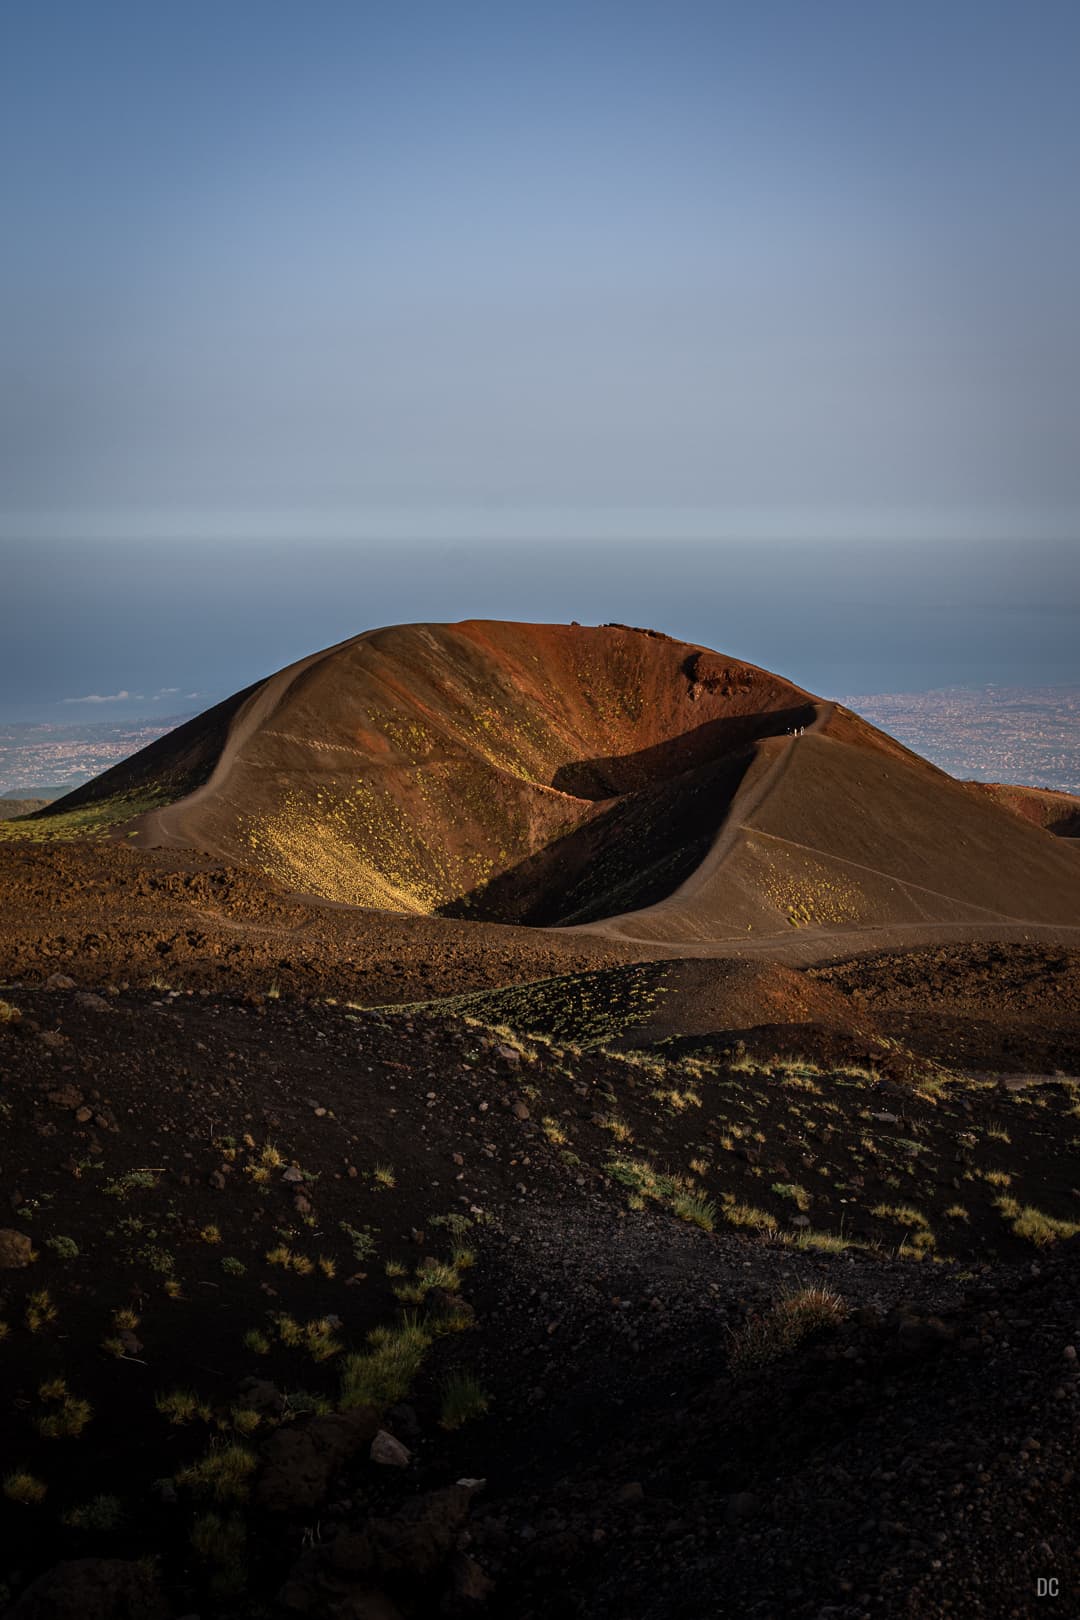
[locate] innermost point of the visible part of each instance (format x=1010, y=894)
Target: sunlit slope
x=491, y=769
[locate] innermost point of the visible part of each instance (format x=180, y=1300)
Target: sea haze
x=966, y=653
x=177, y=625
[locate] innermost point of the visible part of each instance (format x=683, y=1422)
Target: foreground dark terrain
x=857, y=1391
x=718, y=1255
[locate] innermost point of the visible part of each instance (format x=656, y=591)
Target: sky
x=344, y=313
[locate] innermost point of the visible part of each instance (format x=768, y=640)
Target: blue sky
x=345, y=273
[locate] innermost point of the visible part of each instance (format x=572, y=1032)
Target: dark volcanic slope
x=604, y=777
x=211, y=1203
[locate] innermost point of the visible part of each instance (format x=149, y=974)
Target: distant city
x=45, y=761
x=1026, y=734
x=990, y=734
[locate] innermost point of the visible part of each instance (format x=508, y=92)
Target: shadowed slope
x=829, y=835
x=604, y=777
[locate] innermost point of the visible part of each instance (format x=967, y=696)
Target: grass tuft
x=695, y=1208
x=1034, y=1225
x=223, y=1473
x=68, y=1421
x=180, y=1406
x=100, y=1515
x=463, y=1398
x=222, y=1544
x=763, y=1339
x=384, y=1374
x=746, y=1215
x=25, y=1488
x=40, y=1310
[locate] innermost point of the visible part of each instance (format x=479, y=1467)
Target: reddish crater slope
x=1058, y=812
x=602, y=777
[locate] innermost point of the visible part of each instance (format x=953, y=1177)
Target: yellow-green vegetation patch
x=618, y=1128
x=696, y=1208
x=94, y=820
x=798, y=1195
x=281, y=1255
x=642, y=1177
x=40, y=1311
x=66, y=1415
x=224, y=1472
x=1034, y=1225
x=383, y=1375
x=181, y=1406
x=221, y=1544
x=588, y=1010
x=316, y=1337
x=739, y=1214
x=901, y=1214
x=677, y=1101
x=463, y=1398
x=100, y=1515
x=27, y=1489
x=429, y=1275
x=823, y=1242
x=921, y=1237
x=764, y=1338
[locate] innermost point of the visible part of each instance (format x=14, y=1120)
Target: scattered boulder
x=91, y=1003
x=412, y=1543
x=388, y=1451
x=93, y=1589
x=923, y=1336
x=468, y=1587
x=59, y=981
x=366, y=1605
x=743, y=1505
x=313, y=1591
x=300, y=1460
x=262, y=1395
x=66, y=1096
x=443, y=1302
x=16, y=1249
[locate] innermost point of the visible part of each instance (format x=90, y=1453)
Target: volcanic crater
x=572, y=776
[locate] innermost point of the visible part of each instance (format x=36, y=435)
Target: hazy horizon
x=756, y=324
x=87, y=623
